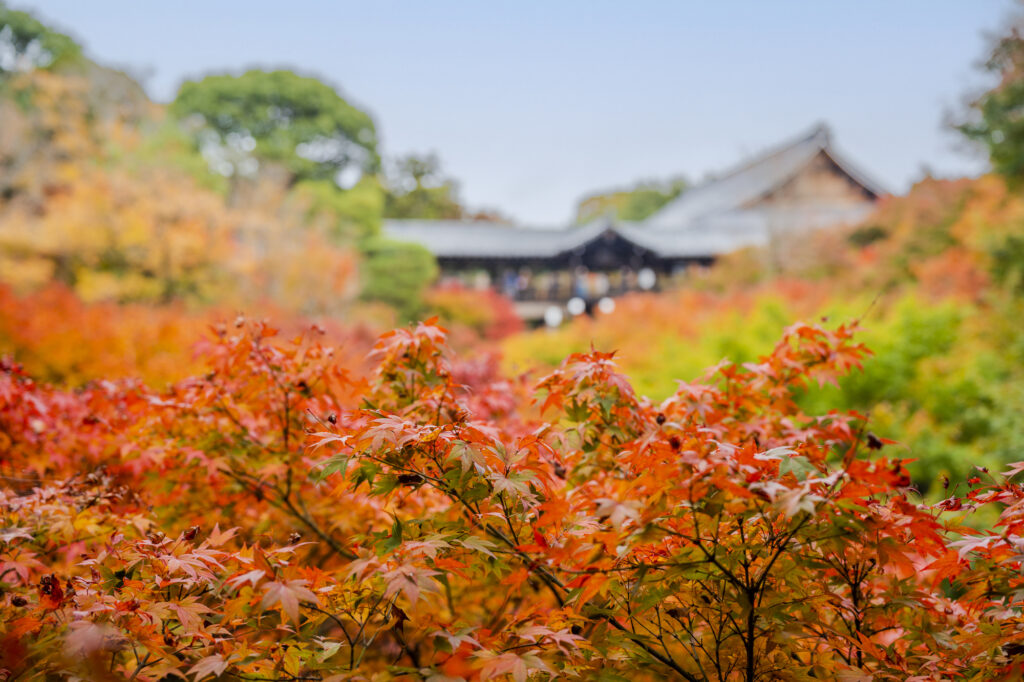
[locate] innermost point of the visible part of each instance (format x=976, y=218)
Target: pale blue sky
x=532, y=104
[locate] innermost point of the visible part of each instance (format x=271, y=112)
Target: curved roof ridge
x=820, y=132
x=469, y=239
x=757, y=177
x=745, y=183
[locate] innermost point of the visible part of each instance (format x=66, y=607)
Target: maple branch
x=141, y=665
x=285, y=502
x=694, y=638
x=321, y=533
x=647, y=649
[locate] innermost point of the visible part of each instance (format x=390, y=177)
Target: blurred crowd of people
x=526, y=285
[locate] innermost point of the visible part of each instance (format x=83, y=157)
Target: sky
x=533, y=104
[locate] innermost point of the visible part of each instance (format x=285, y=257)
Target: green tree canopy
x=633, y=203
x=416, y=188
x=352, y=215
x=279, y=116
x=996, y=119
x=397, y=273
x=26, y=43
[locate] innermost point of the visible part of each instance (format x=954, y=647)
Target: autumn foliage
x=278, y=517
x=936, y=277
x=59, y=338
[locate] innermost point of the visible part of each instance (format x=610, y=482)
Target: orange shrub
x=58, y=338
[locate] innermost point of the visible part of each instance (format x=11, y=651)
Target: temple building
x=805, y=184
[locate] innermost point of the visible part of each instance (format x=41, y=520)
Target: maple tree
x=287, y=515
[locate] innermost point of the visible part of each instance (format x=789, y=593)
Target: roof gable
x=757, y=178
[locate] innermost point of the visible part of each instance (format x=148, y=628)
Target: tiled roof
x=480, y=239
x=719, y=233
x=705, y=221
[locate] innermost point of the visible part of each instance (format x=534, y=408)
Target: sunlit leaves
x=287, y=595
x=211, y=666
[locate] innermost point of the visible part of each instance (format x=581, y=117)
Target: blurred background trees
x=995, y=118
x=417, y=188
x=636, y=202
x=279, y=117
x=27, y=44
x=263, y=186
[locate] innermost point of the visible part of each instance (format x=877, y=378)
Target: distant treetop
x=26, y=43
x=279, y=116
x=634, y=203
x=994, y=119
x=417, y=188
